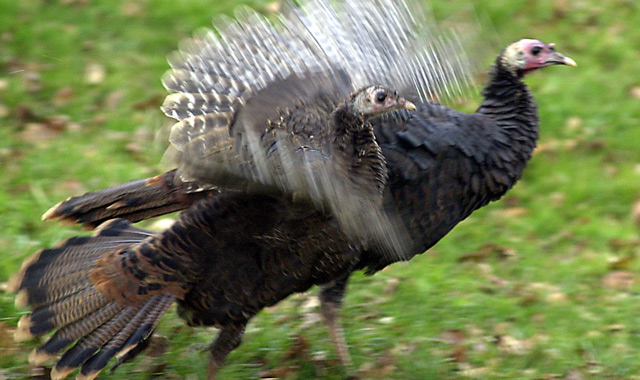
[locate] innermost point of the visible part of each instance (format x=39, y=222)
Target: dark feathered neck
x=354, y=141
x=510, y=105
x=346, y=120
x=508, y=101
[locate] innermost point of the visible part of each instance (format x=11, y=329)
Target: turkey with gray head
x=444, y=164
x=234, y=252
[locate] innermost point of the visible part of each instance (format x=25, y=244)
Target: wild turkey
x=442, y=165
x=276, y=138
x=108, y=291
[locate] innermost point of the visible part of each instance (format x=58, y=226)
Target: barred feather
x=134, y=201
x=137, y=330
x=389, y=41
x=57, y=286
x=231, y=86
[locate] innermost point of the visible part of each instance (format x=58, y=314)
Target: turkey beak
x=558, y=59
x=408, y=105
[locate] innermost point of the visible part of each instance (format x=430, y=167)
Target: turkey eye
x=381, y=96
x=536, y=50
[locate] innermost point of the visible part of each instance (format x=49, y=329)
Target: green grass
x=553, y=309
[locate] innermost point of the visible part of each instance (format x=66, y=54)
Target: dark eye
x=536, y=50
x=381, y=96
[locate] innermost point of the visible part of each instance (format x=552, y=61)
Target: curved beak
x=409, y=105
x=558, y=59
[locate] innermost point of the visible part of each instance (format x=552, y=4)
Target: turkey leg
x=227, y=340
x=330, y=303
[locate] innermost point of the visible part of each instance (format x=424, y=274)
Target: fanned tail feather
x=135, y=200
x=55, y=284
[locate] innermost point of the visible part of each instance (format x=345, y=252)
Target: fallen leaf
x=6, y=338
x=94, y=73
x=478, y=255
x=37, y=133
x=458, y=341
x=70, y=186
x=279, y=372
x=615, y=327
x=367, y=316
x=24, y=114
x=310, y=319
x=310, y=304
x=487, y=251
x=4, y=110
x=561, y=8
x=557, y=199
x=570, y=144
x=386, y=320
x=511, y=201
x=556, y=297
x=529, y=298
x=573, y=124
x=62, y=96
x=594, y=145
x=151, y=102
x=635, y=213
x=392, y=285
x=131, y=9
x=58, y=122
x=380, y=368
x=152, y=366
x=623, y=262
x=404, y=348
x=134, y=148
x=512, y=346
x=623, y=244
x=574, y=374
x=80, y=3
x=158, y=345
x=549, y=146
x=469, y=371
x=299, y=349
x=74, y=127
x=620, y=280
x=113, y=99
x=32, y=81
x=514, y=212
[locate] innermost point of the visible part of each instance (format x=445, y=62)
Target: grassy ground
x=540, y=285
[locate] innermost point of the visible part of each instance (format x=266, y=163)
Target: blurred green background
x=541, y=285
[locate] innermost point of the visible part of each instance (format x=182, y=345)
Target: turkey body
x=236, y=250
x=284, y=248
x=445, y=164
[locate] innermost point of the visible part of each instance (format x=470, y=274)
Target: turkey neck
x=355, y=141
x=510, y=104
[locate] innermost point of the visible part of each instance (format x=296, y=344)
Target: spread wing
x=395, y=42
x=253, y=105
x=230, y=87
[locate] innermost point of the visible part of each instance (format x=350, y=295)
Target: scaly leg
x=228, y=339
x=330, y=303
